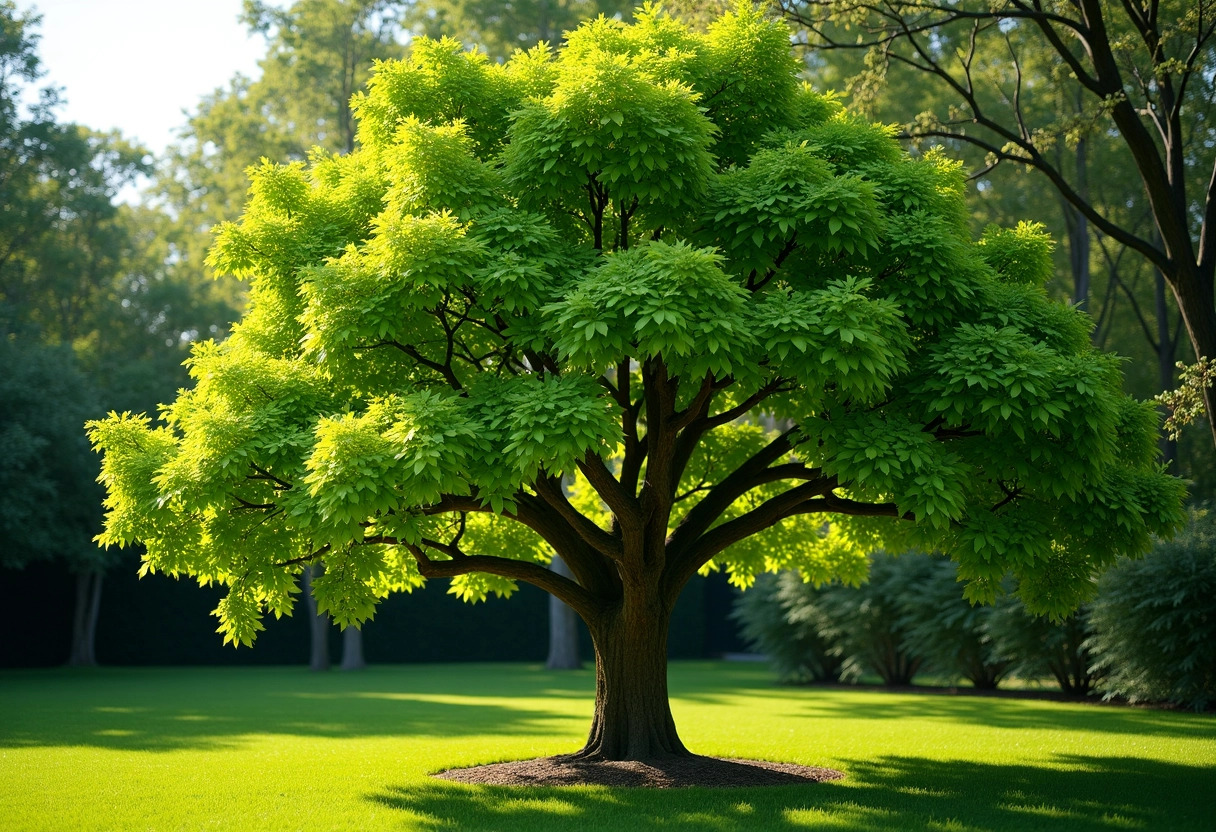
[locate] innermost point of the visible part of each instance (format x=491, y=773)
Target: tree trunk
x=1193, y=292
x=84, y=624
x=318, y=627
x=1166, y=349
x=1078, y=243
x=563, y=628
x=632, y=716
x=352, y=649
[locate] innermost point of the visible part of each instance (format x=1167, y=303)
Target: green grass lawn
x=280, y=748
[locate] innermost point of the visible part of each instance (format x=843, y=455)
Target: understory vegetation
x=1148, y=636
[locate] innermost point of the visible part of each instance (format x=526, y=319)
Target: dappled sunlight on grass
x=1092, y=794
x=282, y=748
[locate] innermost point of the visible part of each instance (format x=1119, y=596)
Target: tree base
x=666, y=773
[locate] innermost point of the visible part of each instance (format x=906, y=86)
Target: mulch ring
x=669, y=773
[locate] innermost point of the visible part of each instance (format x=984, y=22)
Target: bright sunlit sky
x=137, y=65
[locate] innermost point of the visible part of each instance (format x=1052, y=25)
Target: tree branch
x=577, y=598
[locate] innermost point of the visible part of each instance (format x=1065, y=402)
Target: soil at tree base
x=668, y=773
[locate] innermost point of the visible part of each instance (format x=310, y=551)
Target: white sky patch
x=140, y=65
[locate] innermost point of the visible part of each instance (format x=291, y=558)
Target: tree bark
x=1193, y=291
x=1166, y=348
x=84, y=624
x=632, y=715
x=563, y=628
x=1078, y=230
x=352, y=649
x=318, y=627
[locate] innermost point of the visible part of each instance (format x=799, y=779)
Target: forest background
x=101, y=299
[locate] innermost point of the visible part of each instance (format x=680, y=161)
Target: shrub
x=947, y=629
x=781, y=618
x=1035, y=646
x=865, y=622
x=1154, y=621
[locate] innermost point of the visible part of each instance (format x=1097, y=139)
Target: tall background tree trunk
x=84, y=623
x=318, y=627
x=563, y=627
x=1167, y=348
x=1078, y=248
x=352, y=649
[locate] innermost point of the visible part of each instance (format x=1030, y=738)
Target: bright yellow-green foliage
x=282, y=749
x=615, y=261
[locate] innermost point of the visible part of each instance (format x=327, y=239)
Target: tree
x=563, y=628
x=597, y=263
x=499, y=28
x=88, y=319
x=1035, y=647
x=867, y=624
x=1137, y=69
x=49, y=499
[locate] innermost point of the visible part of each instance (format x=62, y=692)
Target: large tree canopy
x=650, y=303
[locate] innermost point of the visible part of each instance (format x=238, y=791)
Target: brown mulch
x=669, y=773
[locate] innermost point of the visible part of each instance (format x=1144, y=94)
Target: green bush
x=865, y=623
x=1154, y=621
x=1035, y=646
x=780, y=617
x=948, y=630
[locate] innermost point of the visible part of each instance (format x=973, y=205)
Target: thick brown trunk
x=563, y=628
x=84, y=624
x=632, y=716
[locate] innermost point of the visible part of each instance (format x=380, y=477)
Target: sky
x=139, y=65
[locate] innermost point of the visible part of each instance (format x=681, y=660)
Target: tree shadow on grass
x=1085, y=794
x=171, y=709
x=1009, y=713
x=835, y=702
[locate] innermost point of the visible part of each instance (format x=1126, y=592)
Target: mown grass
x=270, y=749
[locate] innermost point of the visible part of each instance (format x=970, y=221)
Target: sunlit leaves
x=524, y=265
x=655, y=300
x=441, y=83
x=608, y=128
x=551, y=423
x=1019, y=255
x=837, y=337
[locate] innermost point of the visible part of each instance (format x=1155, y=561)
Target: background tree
x=593, y=264
x=1137, y=69
x=49, y=499
x=866, y=624
x=499, y=28
x=88, y=321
